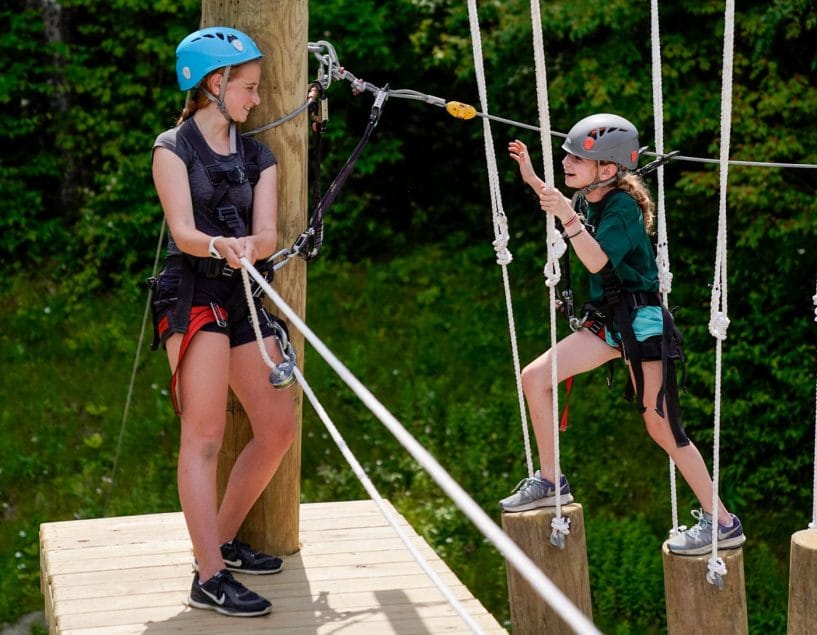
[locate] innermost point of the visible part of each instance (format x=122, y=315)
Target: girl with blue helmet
x=608, y=223
x=218, y=192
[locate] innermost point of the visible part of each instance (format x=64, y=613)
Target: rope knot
x=718, y=325
x=502, y=236
x=561, y=524
x=553, y=273
x=561, y=529
x=716, y=571
x=665, y=280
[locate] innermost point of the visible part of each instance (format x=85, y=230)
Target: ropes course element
x=719, y=320
x=500, y=221
x=325, y=53
x=539, y=582
x=556, y=248
x=662, y=247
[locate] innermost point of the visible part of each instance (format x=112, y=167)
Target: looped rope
x=500, y=243
x=561, y=524
x=719, y=321
x=718, y=324
x=500, y=220
x=555, y=243
x=716, y=570
x=813, y=523
x=560, y=531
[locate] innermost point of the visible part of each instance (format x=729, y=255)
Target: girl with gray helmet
x=219, y=195
x=608, y=224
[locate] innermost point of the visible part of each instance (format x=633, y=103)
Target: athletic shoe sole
x=728, y=543
x=226, y=611
x=232, y=567
x=542, y=502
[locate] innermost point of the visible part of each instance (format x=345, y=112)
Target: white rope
x=719, y=321
x=390, y=517
x=500, y=220
x=556, y=248
x=538, y=581
x=813, y=523
x=662, y=247
x=136, y=357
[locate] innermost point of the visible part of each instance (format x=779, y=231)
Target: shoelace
x=525, y=483
x=703, y=523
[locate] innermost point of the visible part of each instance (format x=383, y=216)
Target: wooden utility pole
x=279, y=28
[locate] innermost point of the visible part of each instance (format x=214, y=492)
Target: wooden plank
x=187, y=623
x=353, y=575
x=282, y=618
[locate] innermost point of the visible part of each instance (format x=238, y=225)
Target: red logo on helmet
x=634, y=156
x=589, y=142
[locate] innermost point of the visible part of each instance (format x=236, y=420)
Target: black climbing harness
x=615, y=313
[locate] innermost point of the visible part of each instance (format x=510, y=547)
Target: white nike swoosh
x=233, y=563
x=218, y=600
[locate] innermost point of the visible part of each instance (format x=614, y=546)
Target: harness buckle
x=229, y=215
x=236, y=175
x=220, y=314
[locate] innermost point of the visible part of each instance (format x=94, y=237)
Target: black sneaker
x=239, y=556
x=224, y=594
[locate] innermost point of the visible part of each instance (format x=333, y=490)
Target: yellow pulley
x=460, y=110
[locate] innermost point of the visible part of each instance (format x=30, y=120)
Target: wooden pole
x=694, y=605
x=803, y=583
x=279, y=28
x=567, y=568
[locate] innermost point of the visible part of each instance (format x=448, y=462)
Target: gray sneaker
x=697, y=540
x=535, y=492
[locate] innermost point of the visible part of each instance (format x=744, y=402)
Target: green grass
x=427, y=334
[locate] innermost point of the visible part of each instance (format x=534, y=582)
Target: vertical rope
x=555, y=249
x=136, y=357
x=719, y=321
x=662, y=248
x=500, y=220
x=813, y=523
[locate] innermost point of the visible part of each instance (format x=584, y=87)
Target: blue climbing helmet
x=604, y=137
x=206, y=50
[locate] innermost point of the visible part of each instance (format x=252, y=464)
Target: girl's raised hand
x=519, y=153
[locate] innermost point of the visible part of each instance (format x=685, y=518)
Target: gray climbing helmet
x=604, y=137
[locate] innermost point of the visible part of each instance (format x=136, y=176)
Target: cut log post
x=803, y=583
x=280, y=31
x=566, y=568
x=694, y=605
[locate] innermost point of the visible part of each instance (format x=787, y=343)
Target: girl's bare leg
x=271, y=413
x=688, y=459
x=203, y=398
x=578, y=353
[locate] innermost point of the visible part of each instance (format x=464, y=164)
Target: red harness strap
x=199, y=317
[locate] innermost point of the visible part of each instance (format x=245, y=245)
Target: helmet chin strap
x=583, y=192
x=222, y=108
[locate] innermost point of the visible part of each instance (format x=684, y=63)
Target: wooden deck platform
x=353, y=575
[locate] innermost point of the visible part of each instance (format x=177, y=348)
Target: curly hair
x=635, y=187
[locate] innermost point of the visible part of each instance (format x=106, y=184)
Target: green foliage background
x=408, y=261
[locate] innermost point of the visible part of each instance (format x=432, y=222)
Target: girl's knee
x=278, y=432
x=535, y=378
x=659, y=430
x=205, y=447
